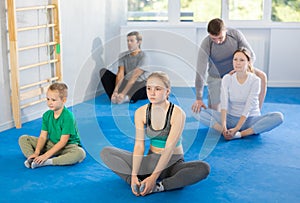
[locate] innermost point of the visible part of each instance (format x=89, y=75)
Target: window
x=205, y=10
x=147, y=10
x=286, y=10
x=200, y=10
x=245, y=9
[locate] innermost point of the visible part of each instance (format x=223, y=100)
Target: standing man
x=216, y=53
x=128, y=85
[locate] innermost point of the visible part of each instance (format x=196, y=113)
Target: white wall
x=284, y=69
x=5, y=116
x=173, y=48
x=94, y=33
x=84, y=35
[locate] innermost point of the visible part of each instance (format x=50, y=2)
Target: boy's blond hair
x=62, y=89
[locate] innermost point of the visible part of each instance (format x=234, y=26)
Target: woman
x=240, y=114
x=163, y=168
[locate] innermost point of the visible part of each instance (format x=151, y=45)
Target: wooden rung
x=33, y=103
x=33, y=93
x=36, y=27
x=37, y=46
x=35, y=8
x=38, y=64
x=39, y=83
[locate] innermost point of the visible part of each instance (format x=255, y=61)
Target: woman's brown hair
x=247, y=53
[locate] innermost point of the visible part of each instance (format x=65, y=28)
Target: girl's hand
x=135, y=185
x=149, y=183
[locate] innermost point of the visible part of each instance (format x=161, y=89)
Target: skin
x=198, y=104
x=157, y=94
x=56, y=104
x=134, y=47
x=240, y=64
x=220, y=38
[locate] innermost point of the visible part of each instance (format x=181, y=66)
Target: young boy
x=59, y=141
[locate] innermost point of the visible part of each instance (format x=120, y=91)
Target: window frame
x=174, y=17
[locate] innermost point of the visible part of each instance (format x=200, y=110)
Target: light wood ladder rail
x=35, y=91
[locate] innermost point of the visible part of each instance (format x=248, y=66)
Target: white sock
x=159, y=187
x=237, y=135
x=46, y=163
x=83, y=156
x=125, y=100
x=28, y=162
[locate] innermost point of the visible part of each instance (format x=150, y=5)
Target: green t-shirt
x=65, y=124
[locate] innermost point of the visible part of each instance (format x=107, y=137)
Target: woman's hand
x=225, y=133
x=228, y=135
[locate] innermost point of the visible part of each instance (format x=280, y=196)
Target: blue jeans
x=259, y=124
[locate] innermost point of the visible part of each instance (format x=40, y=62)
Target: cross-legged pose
x=128, y=85
x=163, y=168
x=240, y=114
x=59, y=141
x=215, y=59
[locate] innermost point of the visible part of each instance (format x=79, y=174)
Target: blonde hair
x=162, y=76
x=62, y=89
x=247, y=53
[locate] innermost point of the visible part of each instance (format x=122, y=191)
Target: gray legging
x=177, y=174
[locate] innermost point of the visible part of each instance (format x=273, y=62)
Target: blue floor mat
x=263, y=168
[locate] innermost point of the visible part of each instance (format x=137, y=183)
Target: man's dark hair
x=215, y=26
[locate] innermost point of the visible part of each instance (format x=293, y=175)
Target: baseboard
x=180, y=83
x=283, y=83
x=7, y=125
x=270, y=83
x=24, y=119
x=86, y=97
